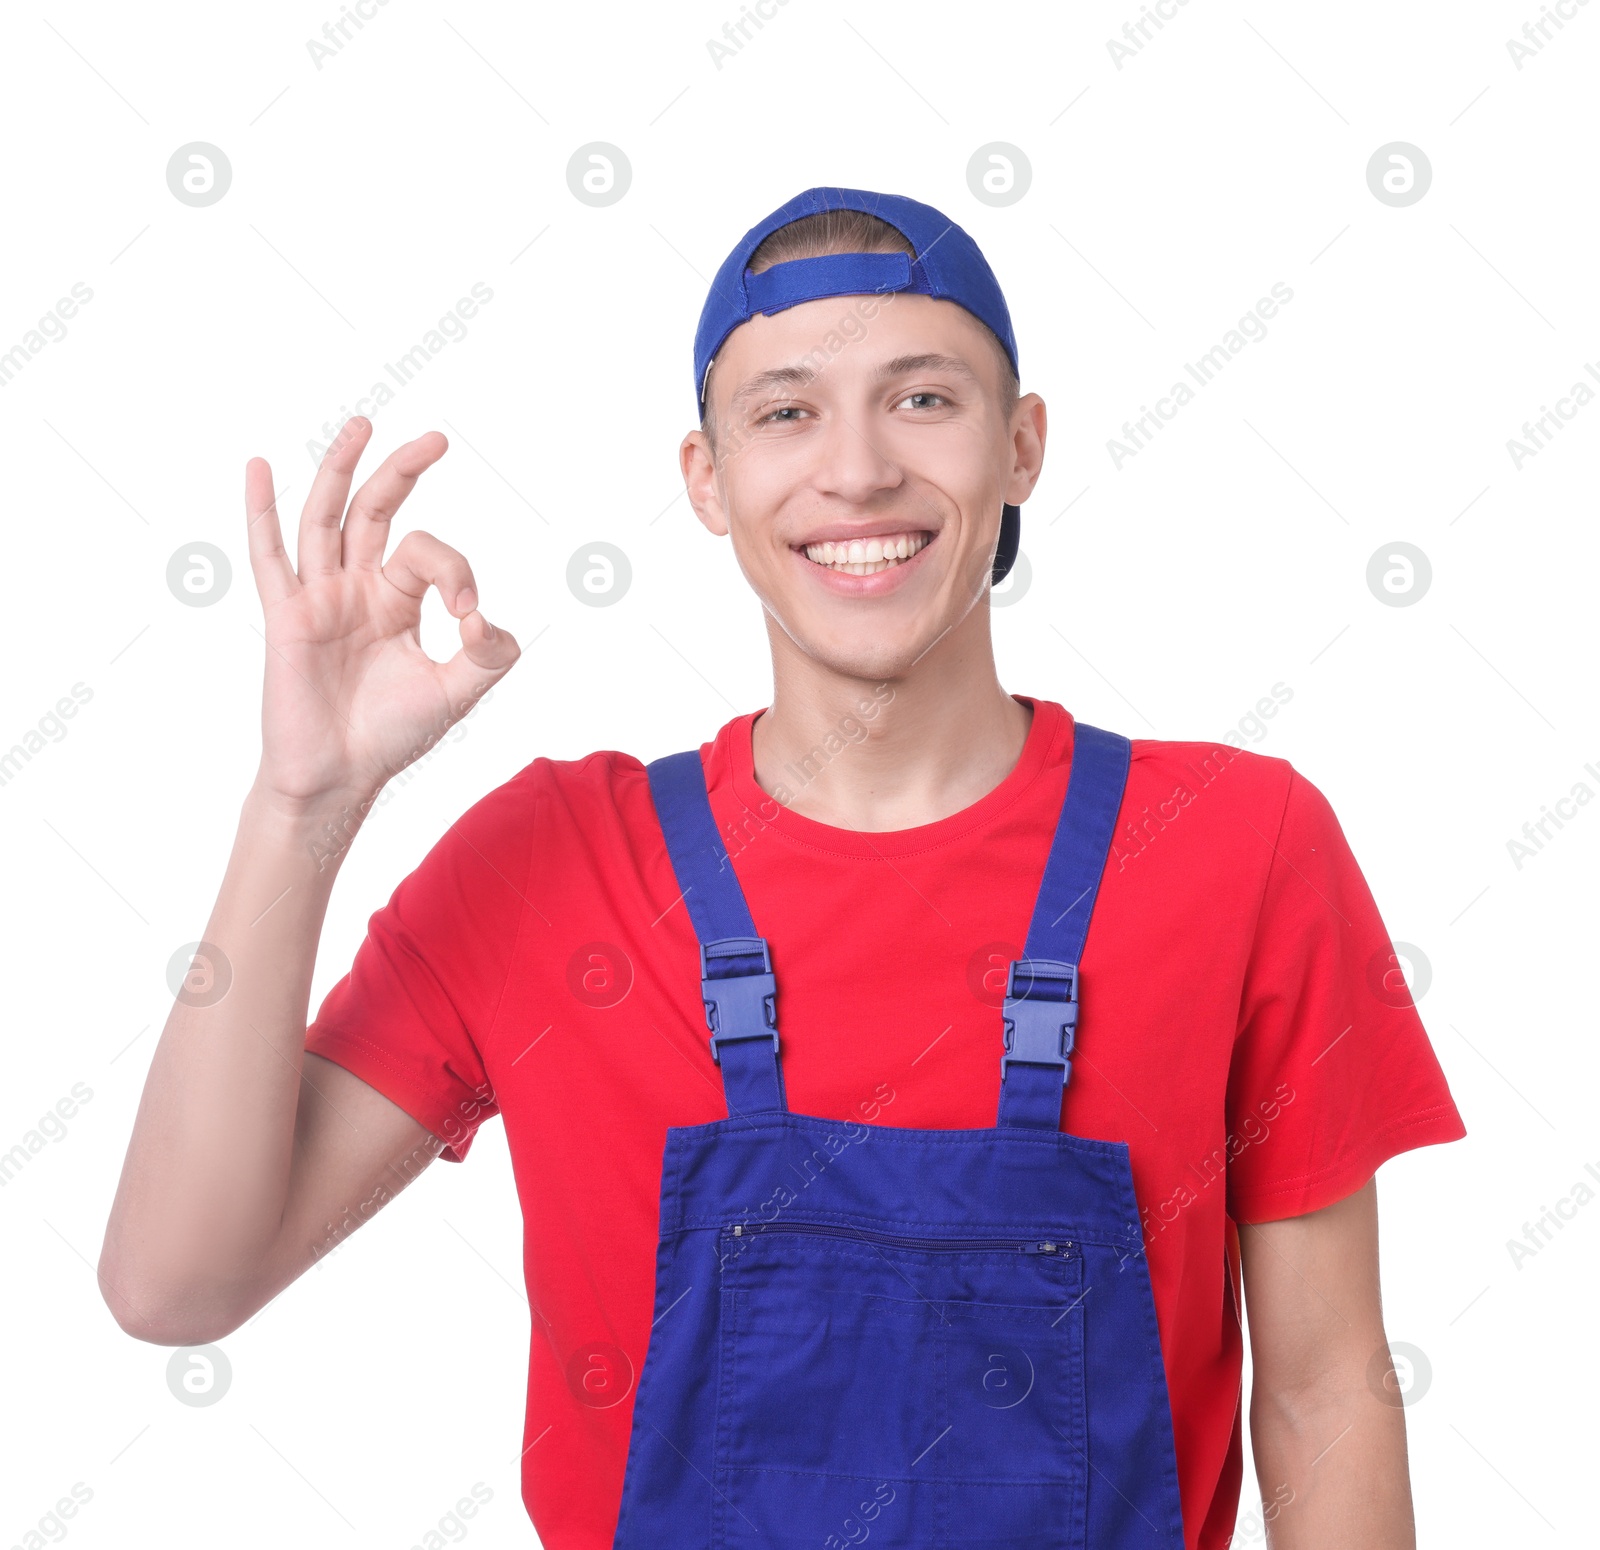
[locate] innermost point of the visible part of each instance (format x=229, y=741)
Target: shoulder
x=589, y=778
x=1233, y=809
x=1238, y=778
x=589, y=794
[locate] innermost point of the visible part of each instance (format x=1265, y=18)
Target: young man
x=859, y=1259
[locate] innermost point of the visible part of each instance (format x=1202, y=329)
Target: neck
x=878, y=754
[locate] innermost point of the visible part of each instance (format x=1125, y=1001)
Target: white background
x=1167, y=597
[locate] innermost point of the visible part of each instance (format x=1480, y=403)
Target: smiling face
x=861, y=471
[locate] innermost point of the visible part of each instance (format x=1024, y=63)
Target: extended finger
x=366, y=525
x=319, y=522
x=421, y=561
x=275, y=578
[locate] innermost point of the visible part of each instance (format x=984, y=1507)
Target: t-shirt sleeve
x=410, y=1017
x=1332, y=1071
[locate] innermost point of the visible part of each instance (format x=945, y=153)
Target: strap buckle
x=741, y=1003
x=1040, y=1014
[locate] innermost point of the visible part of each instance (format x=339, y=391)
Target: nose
x=850, y=463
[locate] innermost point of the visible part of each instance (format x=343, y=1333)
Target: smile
x=867, y=556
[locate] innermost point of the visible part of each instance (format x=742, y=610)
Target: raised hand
x=350, y=696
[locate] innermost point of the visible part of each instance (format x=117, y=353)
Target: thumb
x=487, y=654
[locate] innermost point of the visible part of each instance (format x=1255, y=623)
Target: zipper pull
x=1038, y=1248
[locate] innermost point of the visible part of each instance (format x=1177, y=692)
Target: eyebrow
x=901, y=365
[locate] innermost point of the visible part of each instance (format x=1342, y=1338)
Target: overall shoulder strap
x=1040, y=1014
x=736, y=979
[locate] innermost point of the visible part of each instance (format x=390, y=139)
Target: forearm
x=203, y=1186
x=1331, y=1463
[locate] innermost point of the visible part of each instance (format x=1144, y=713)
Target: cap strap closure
x=828, y=274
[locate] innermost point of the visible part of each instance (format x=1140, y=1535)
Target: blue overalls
x=930, y=1339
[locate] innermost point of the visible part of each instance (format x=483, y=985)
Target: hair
x=853, y=231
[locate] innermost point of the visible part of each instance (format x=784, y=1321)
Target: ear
x=700, y=481
x=1028, y=428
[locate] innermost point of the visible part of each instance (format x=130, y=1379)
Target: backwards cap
x=949, y=267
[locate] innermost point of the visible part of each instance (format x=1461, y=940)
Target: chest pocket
x=927, y=1393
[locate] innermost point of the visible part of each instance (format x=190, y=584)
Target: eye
x=939, y=397
x=782, y=409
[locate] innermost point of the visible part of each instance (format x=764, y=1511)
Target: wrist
x=319, y=828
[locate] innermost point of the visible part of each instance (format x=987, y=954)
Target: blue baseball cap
x=949, y=266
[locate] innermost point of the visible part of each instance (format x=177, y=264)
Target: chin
x=870, y=644
x=870, y=658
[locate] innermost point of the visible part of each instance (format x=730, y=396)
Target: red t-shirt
x=1244, y=1030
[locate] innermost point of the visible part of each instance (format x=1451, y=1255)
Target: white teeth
x=865, y=557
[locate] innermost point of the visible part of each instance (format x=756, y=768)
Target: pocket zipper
x=894, y=1240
